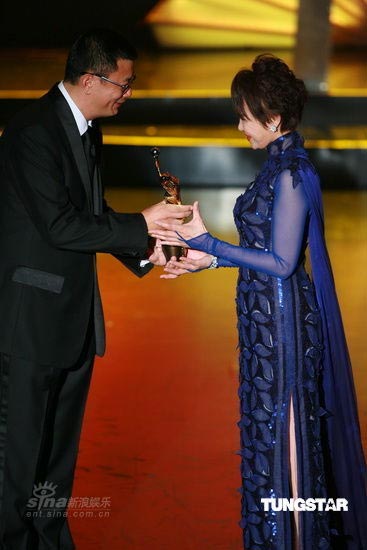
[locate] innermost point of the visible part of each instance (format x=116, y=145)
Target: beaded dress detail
x=280, y=348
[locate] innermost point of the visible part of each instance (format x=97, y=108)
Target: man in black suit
x=53, y=221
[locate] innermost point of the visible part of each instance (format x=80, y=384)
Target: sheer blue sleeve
x=225, y=263
x=287, y=231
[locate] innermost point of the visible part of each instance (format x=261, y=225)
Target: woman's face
x=258, y=135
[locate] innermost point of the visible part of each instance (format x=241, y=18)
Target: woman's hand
x=172, y=231
x=194, y=261
x=163, y=211
x=157, y=257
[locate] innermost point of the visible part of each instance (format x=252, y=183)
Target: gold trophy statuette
x=172, y=195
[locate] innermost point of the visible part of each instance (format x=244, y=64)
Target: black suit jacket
x=49, y=235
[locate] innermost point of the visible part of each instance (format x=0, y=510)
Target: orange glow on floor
x=160, y=435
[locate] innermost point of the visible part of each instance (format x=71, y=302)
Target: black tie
x=92, y=142
x=89, y=145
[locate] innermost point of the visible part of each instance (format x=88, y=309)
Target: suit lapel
x=70, y=127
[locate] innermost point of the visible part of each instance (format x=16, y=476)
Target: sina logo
x=43, y=496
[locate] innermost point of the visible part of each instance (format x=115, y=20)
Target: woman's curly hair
x=269, y=89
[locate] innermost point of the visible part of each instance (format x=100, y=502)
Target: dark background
x=48, y=24
x=28, y=25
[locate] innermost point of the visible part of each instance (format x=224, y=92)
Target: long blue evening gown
x=291, y=343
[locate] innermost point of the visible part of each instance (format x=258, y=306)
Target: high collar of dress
x=284, y=142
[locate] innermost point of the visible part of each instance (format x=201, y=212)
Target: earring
x=273, y=128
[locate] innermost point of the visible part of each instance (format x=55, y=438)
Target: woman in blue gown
x=300, y=436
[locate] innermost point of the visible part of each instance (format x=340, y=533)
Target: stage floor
x=158, y=468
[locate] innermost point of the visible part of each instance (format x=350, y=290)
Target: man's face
x=107, y=97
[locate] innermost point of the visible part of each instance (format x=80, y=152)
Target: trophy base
x=177, y=251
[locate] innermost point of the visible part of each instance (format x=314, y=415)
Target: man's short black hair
x=97, y=51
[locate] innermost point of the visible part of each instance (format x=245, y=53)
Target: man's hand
x=194, y=261
x=170, y=231
x=165, y=212
x=157, y=257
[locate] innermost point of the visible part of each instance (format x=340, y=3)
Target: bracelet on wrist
x=214, y=263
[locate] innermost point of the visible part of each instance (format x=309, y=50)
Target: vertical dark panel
x=313, y=45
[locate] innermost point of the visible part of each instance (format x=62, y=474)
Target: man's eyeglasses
x=124, y=87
